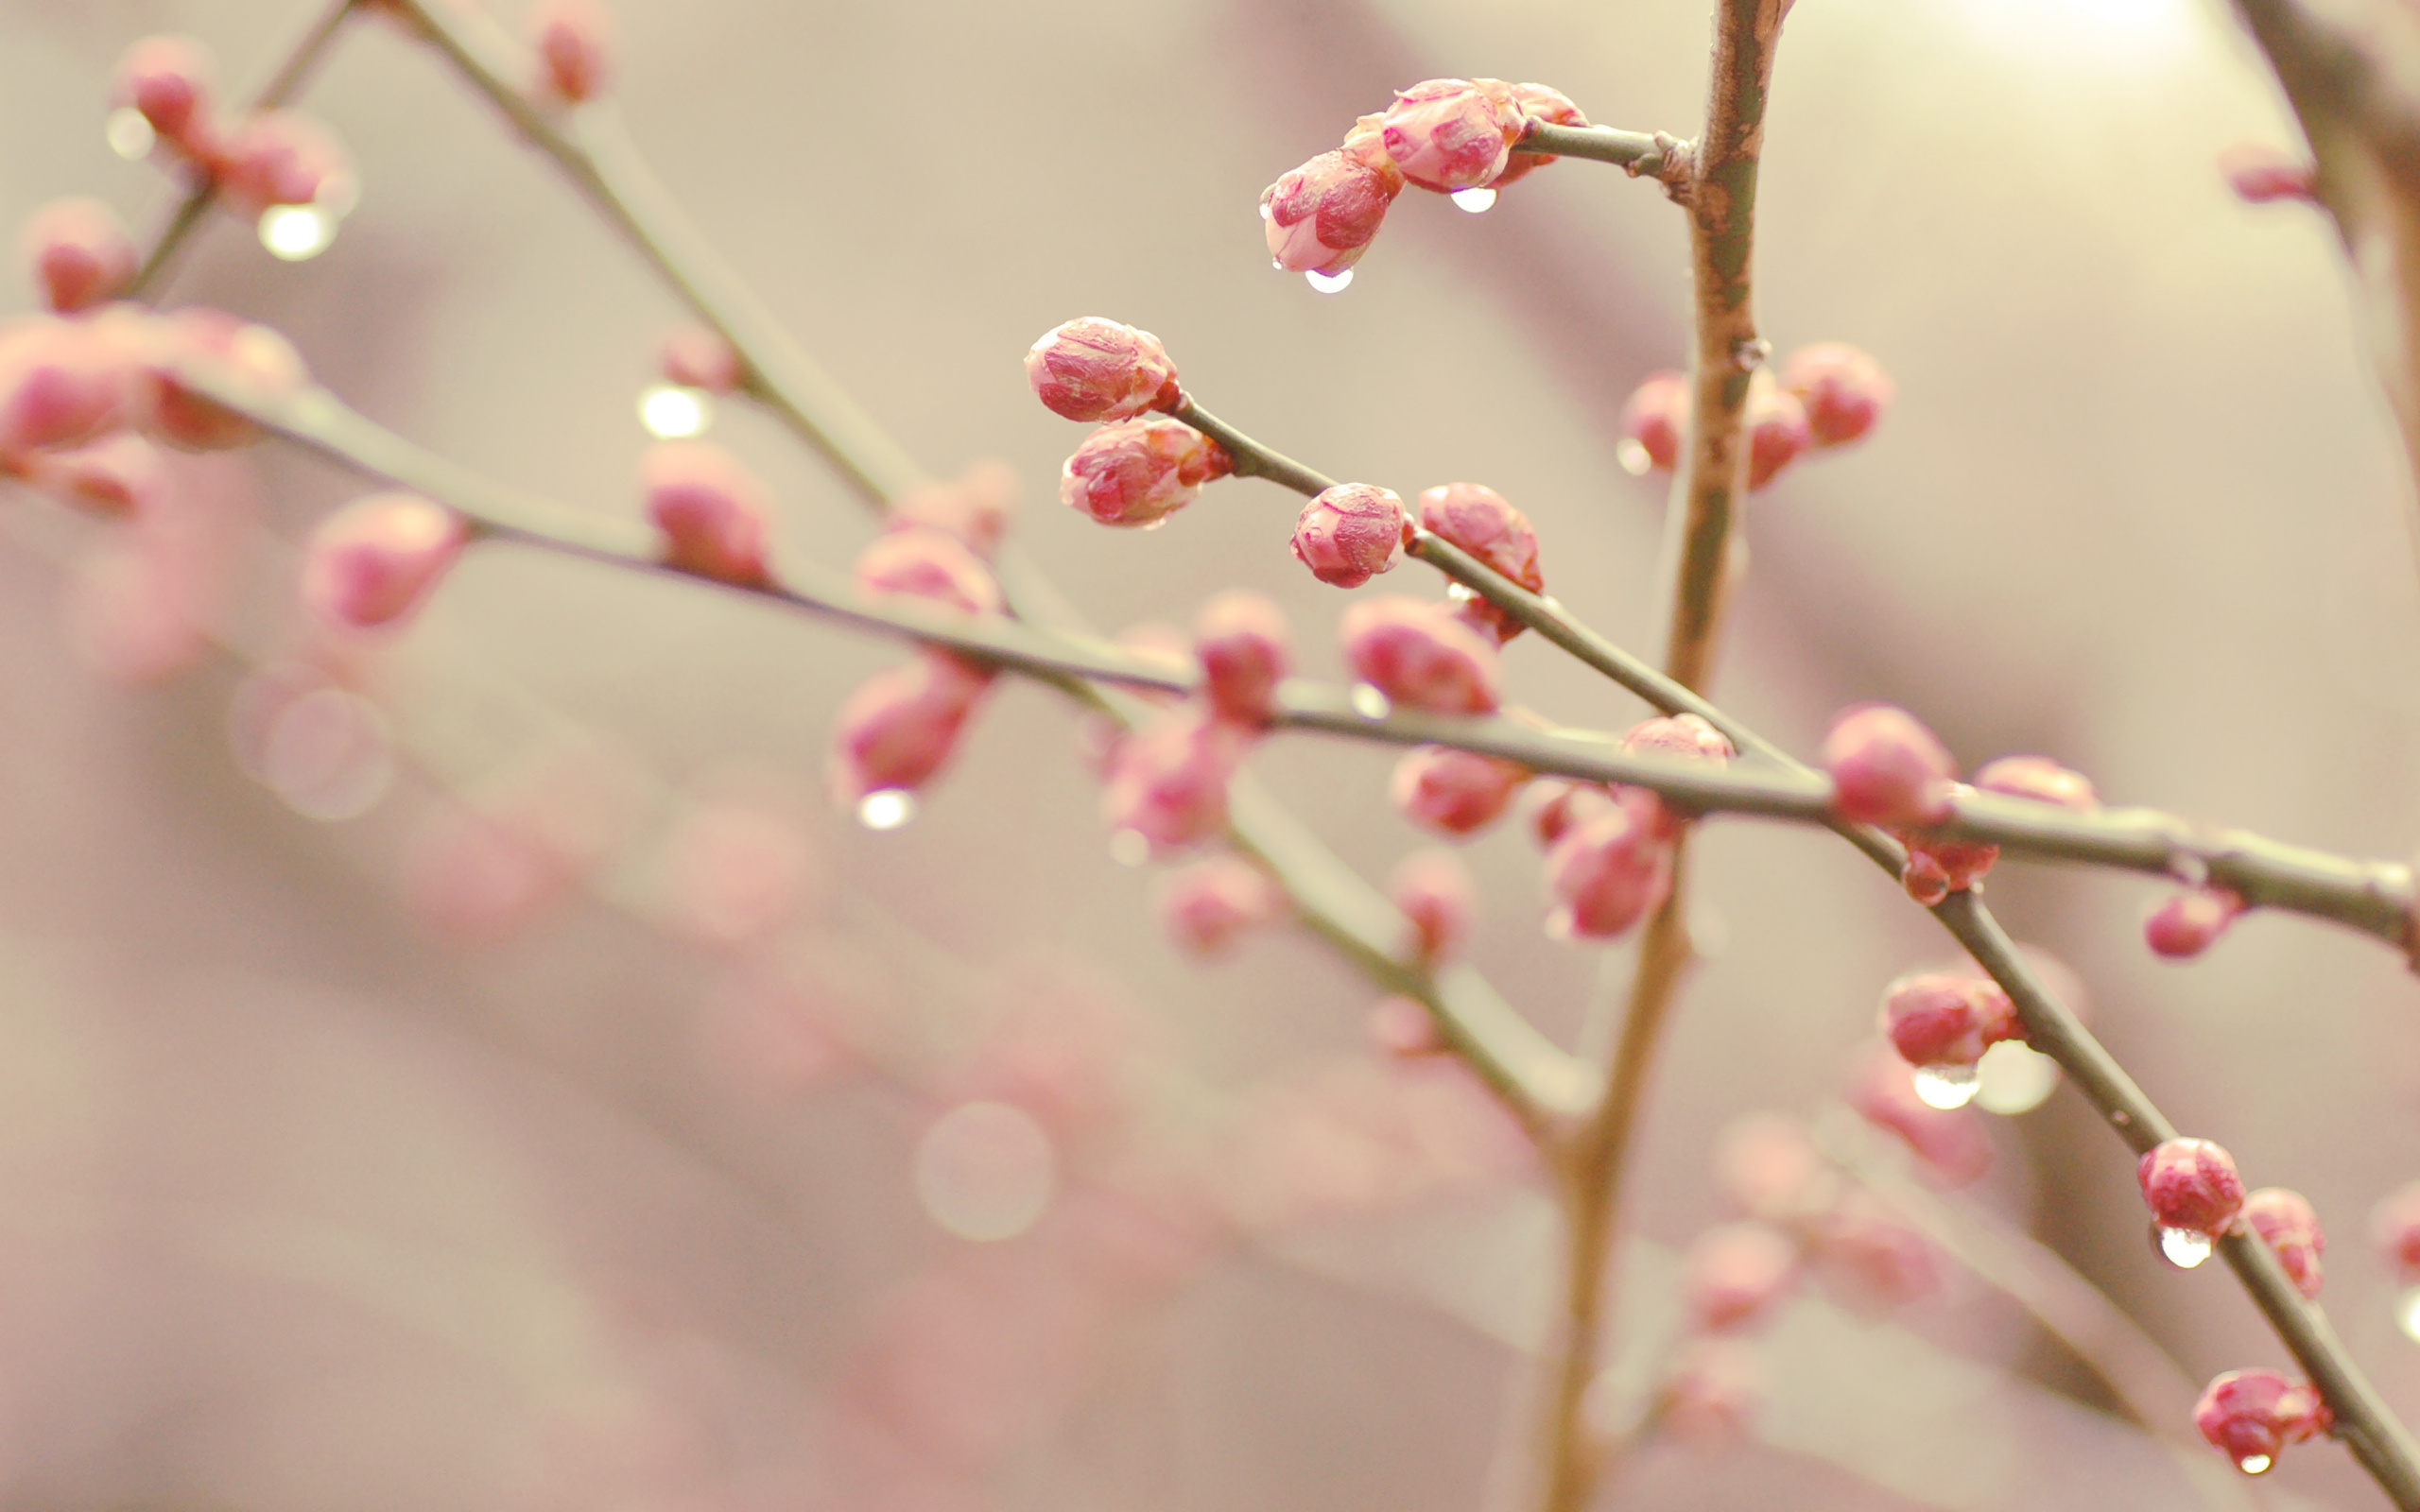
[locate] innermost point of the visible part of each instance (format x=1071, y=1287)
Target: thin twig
x=1644, y=154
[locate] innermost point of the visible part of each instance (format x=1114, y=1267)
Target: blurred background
x=359, y=1149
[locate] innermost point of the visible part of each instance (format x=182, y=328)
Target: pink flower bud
x=1868, y=1259
x=575, y=42
x=1097, y=369
x=2040, y=779
x=1654, y=423
x=1320, y=217
x=1447, y=134
x=2187, y=925
x=1139, y=472
x=1686, y=736
x=2260, y=174
x=1713, y=1393
x=2249, y=1415
x=697, y=356
x=1887, y=768
x=2286, y=1221
x=1536, y=102
x=1605, y=874
x=63, y=384
x=281, y=158
x=1557, y=806
x=1777, y=429
x=1844, y=391
x=1350, y=534
x=1735, y=1274
x=373, y=562
x=122, y=475
x=1766, y=1163
x=1936, y=867
x=901, y=724
x=928, y=566
x=1454, y=792
x=1478, y=519
x=1205, y=907
x=1435, y=891
x=1419, y=656
x=80, y=252
x=975, y=507
x=1167, y=782
x=1935, y=1019
x=1402, y=1028
x=2394, y=1228
x=1240, y=640
x=2190, y=1184
x=252, y=360
x=168, y=79
x=711, y=512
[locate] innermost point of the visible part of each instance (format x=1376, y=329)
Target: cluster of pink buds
x=1608, y=850
x=271, y=158
x=1166, y=783
x=1141, y=466
x=1827, y=395
x=2249, y=1415
x=2194, y=1195
x=1478, y=519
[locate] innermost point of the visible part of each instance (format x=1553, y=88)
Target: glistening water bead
x=1635, y=457
x=2407, y=1313
x=1946, y=1086
x=672, y=412
x=1327, y=283
x=1369, y=702
x=2015, y=1079
x=1474, y=200
x=130, y=133
x=296, y=234
x=886, y=808
x=2184, y=1248
x=2253, y=1464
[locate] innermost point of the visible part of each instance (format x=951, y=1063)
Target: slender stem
x=1251, y=458
x=1645, y=154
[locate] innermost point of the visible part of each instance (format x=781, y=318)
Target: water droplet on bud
x=296, y=234
x=130, y=133
x=1633, y=457
x=1264, y=210
x=1369, y=702
x=2184, y=1248
x=1946, y=1086
x=886, y=808
x=1474, y=200
x=2407, y=1313
x=2253, y=1464
x=2015, y=1078
x=671, y=412
x=1329, y=283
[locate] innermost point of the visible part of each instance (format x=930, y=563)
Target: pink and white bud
x=167, y=79
x=80, y=252
x=122, y=475
x=1536, y=103
x=2249, y=1415
x=1402, y=1028
x=1887, y=768
x=1320, y=218
x=2188, y=924
x=975, y=506
x=256, y=363
x=1714, y=1392
x=1777, y=429
x=1557, y=806
x=1454, y=792
x=1870, y=1261
x=1937, y=1019
x=1768, y=1165
x=373, y=564
x=930, y=566
x=1844, y=389
x=1419, y=656
x=1167, y=782
x=1950, y=1142
x=281, y=158
x=1436, y=892
x=1139, y=472
x=711, y=513
x=1478, y=519
x=1605, y=875
x=1655, y=423
x=1447, y=134
x=1350, y=533
x=63, y=384
x=1093, y=369
x=2190, y=1184
x=2260, y=174
x=697, y=356
x=575, y=42
x=2286, y=1221
x=1240, y=640
x=1735, y=1275
x=900, y=726
x=2041, y=780
x=2394, y=1228
x=1206, y=907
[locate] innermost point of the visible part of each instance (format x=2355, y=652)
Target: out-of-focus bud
x=80, y=252
x=1536, y=102
x=901, y=724
x=1844, y=389
x=1167, y=782
x=281, y=158
x=1478, y=519
x=252, y=361
x=711, y=512
x=1419, y=656
x=974, y=507
x=575, y=41
x=1435, y=891
x=1870, y=1261
x=927, y=565
x=1767, y=1163
x=2190, y=1184
x=697, y=356
x=1951, y=1142
x=1402, y=1028
x=1240, y=640
x=63, y=384
x=2394, y=1228
x=1454, y=792
x=1447, y=134
x=1093, y=369
x=2040, y=779
x=1350, y=533
x=1735, y=1274
x=1776, y=426
x=1205, y=907
x=167, y=79
x=1939, y=1019
x=1714, y=1392
x=2188, y=924
x=735, y=871
x=1654, y=421
x=1320, y=218
x=373, y=564
x=1887, y=768
x=1555, y=807
x=122, y=475
x=2260, y=174
x=2249, y=1415
x=1139, y=472
x=1686, y=736
x=2287, y=1222
x=1604, y=875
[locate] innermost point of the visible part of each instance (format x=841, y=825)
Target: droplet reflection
x=670, y=412
x=2253, y=1464
x=296, y=234
x=2015, y=1078
x=1329, y=283
x=1369, y=702
x=1948, y=1087
x=2184, y=1248
x=130, y=133
x=1478, y=201
x=886, y=808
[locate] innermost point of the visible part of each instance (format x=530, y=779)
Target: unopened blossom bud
x=1478, y=519
x=123, y=474
x=1776, y=426
x=1097, y=369
x=710, y=511
x=1454, y=792
x=1350, y=533
x=167, y=79
x=2187, y=925
x=2394, y=1228
x=1950, y=1142
x=1139, y=472
x=281, y=158
x=1402, y=1028
x=1536, y=102
x=79, y=254
x=373, y=562
x=1604, y=875
x=1686, y=736
x=2287, y=1223
x=1937, y=1019
x=1654, y=421
x=1240, y=640
x=1887, y=768
x=1206, y=906
x=63, y=384
x=1735, y=1274
x=1868, y=1259
x=1419, y=656
x=1937, y=866
x=1447, y=134
x=974, y=507
x=697, y=356
x=2190, y=1184
x=1320, y=218
x=1844, y=391
x=1714, y=1391
x=1167, y=782
x=575, y=41
x=2260, y=174
x=927, y=565
x=2249, y=1415
x=1434, y=890
x=1768, y=1165
x=2040, y=779
x=900, y=726
x=252, y=361
x=1557, y=806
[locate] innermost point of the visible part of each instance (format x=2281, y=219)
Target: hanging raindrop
x=886, y=808
x=1369, y=702
x=1329, y=283
x=2253, y=1464
x=1948, y=1087
x=2184, y=1248
x=2015, y=1078
x=1633, y=457
x=2407, y=1313
x=130, y=133
x=296, y=234
x=670, y=412
x=1474, y=200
